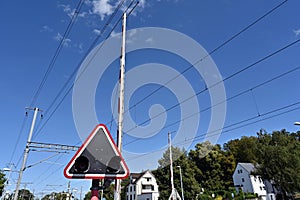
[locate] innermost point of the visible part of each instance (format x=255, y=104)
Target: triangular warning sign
x=97, y=158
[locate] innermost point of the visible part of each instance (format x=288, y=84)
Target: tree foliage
x=56, y=196
x=276, y=157
x=25, y=194
x=279, y=159
x=243, y=150
x=189, y=173
x=216, y=166
x=2, y=182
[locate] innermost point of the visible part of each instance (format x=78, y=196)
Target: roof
x=247, y=166
x=136, y=176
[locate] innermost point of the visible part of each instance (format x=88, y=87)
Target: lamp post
x=181, y=184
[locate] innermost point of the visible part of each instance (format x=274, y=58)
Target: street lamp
x=181, y=182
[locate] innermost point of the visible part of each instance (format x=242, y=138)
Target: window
x=143, y=186
x=152, y=187
x=130, y=188
x=148, y=179
x=243, y=180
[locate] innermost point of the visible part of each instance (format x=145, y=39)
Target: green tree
x=25, y=194
x=189, y=173
x=2, y=182
x=216, y=165
x=108, y=193
x=279, y=160
x=243, y=150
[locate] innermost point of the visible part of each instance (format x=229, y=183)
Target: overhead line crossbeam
x=41, y=145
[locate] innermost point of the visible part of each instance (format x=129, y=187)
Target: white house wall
x=241, y=178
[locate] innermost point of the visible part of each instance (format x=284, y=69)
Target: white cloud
x=97, y=31
x=66, y=41
x=102, y=8
x=70, y=12
x=297, y=32
x=46, y=29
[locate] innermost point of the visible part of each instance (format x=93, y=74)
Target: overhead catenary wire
x=226, y=100
x=77, y=67
x=219, y=82
x=223, y=44
x=57, y=52
x=64, y=96
x=19, y=137
x=70, y=88
x=211, y=52
x=238, y=125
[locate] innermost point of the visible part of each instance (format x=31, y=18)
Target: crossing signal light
x=97, y=158
x=82, y=164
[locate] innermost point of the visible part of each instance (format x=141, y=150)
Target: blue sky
x=30, y=35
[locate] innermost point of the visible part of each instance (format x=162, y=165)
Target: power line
x=72, y=86
x=19, y=137
x=79, y=64
x=226, y=100
x=219, y=82
x=91, y=47
x=223, y=44
x=240, y=123
x=57, y=52
x=212, y=52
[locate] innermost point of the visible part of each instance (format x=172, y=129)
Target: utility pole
x=117, y=195
x=68, y=193
x=174, y=194
x=36, y=110
x=171, y=162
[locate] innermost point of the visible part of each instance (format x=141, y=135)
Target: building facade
x=142, y=186
x=245, y=180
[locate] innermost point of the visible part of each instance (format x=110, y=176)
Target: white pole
x=171, y=165
x=117, y=195
x=26, y=153
x=181, y=184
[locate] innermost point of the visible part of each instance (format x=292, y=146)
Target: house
x=244, y=180
x=142, y=186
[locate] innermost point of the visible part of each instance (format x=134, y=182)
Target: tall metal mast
x=36, y=110
x=174, y=194
x=171, y=161
x=117, y=195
